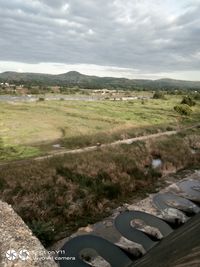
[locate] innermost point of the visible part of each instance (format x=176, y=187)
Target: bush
x=43, y=230
x=110, y=191
x=41, y=99
x=183, y=109
x=158, y=95
x=197, y=96
x=2, y=183
x=188, y=101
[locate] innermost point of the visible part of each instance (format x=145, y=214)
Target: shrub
x=43, y=230
x=2, y=183
x=158, y=95
x=197, y=96
x=183, y=109
x=188, y=101
x=41, y=99
x=100, y=186
x=109, y=190
x=169, y=128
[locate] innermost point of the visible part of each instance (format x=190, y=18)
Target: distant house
x=103, y=91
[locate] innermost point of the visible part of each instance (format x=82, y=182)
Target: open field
x=56, y=196
x=30, y=129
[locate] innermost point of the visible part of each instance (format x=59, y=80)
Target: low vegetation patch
x=159, y=95
x=59, y=195
x=188, y=101
x=8, y=152
x=183, y=109
x=197, y=96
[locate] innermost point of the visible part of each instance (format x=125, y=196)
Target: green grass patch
x=82, y=123
x=17, y=152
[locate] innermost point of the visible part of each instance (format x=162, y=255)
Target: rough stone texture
x=16, y=235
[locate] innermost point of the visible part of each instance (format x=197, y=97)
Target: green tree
x=188, y=101
x=183, y=109
x=158, y=95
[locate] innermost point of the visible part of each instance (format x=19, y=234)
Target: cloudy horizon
x=148, y=39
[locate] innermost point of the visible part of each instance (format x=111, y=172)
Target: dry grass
x=57, y=196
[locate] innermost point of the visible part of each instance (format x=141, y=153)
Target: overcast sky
x=124, y=38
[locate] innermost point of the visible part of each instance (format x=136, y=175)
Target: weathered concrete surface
x=107, y=230
x=179, y=249
x=15, y=235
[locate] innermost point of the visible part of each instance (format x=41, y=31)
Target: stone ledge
x=15, y=235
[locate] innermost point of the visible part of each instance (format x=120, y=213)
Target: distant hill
x=73, y=78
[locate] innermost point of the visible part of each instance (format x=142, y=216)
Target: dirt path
x=92, y=148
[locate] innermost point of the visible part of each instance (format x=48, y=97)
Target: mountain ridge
x=74, y=78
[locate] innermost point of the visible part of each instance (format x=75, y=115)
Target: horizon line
x=122, y=77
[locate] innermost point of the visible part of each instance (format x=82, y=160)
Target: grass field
x=57, y=196
x=30, y=129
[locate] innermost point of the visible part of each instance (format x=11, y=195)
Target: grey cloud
x=53, y=3
x=114, y=33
